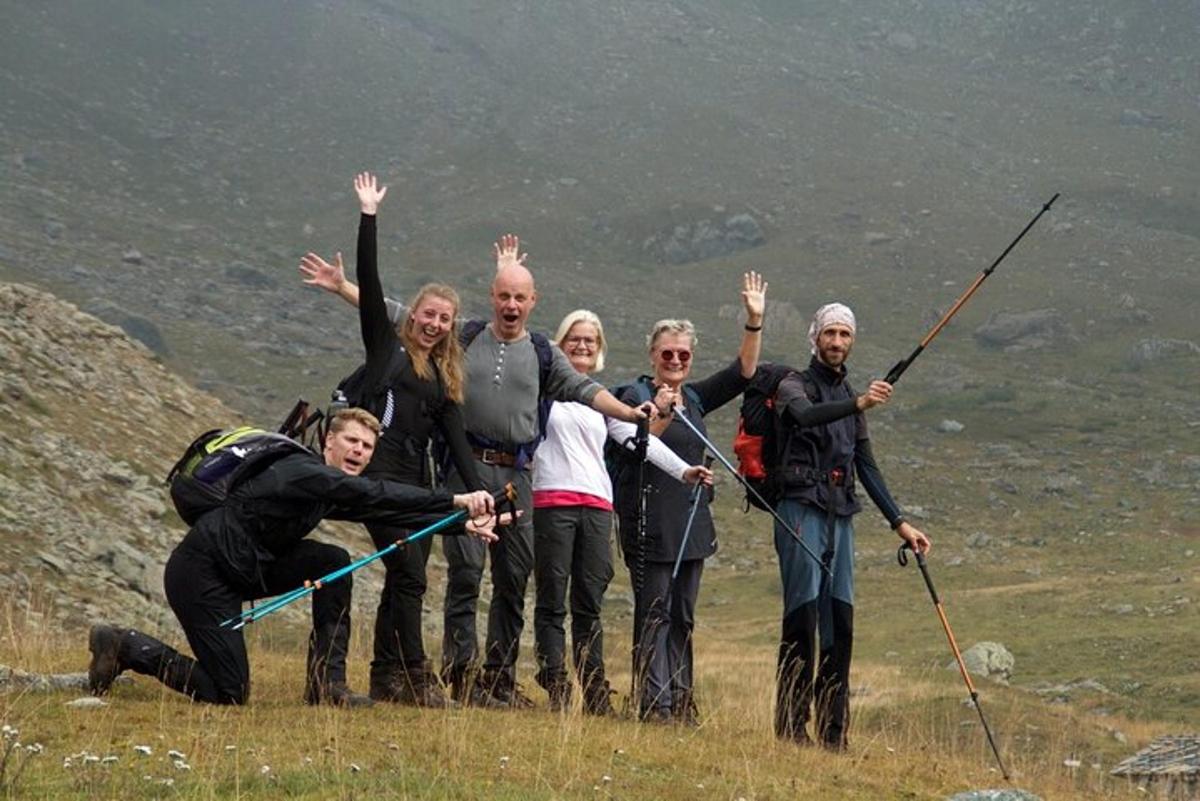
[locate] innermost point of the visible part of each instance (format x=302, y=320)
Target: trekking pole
x=898, y=370
x=311, y=586
x=641, y=444
x=687, y=530
x=902, y=558
x=679, y=415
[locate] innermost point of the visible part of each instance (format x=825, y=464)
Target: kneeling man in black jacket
x=253, y=547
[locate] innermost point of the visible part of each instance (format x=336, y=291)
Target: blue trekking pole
x=311, y=586
x=687, y=530
x=679, y=415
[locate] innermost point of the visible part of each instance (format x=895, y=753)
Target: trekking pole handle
x=902, y=558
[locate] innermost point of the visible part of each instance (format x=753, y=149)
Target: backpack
x=217, y=461
x=617, y=455
x=756, y=443
x=440, y=451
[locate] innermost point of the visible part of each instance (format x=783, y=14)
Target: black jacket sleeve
x=359, y=498
x=721, y=387
x=794, y=407
x=872, y=480
x=378, y=333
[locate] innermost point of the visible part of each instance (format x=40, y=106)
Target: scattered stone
x=950, y=427
x=247, y=276
x=1018, y=331
x=87, y=702
x=14, y=680
x=994, y=795
x=705, y=239
x=133, y=256
x=1156, y=349
x=990, y=660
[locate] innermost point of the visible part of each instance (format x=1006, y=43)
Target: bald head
x=513, y=298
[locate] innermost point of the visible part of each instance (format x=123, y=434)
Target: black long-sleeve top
x=411, y=406
x=267, y=514
x=669, y=501
x=821, y=429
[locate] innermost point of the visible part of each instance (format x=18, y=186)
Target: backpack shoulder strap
x=545, y=357
x=469, y=331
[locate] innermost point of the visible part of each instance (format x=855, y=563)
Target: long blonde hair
x=447, y=355
x=583, y=316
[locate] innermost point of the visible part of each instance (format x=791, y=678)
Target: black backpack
x=217, y=461
x=756, y=443
x=617, y=455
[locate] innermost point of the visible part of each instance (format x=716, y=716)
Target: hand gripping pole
x=679, y=415
x=508, y=492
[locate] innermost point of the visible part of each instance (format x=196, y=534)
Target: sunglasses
x=669, y=355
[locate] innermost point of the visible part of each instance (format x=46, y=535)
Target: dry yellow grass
x=912, y=738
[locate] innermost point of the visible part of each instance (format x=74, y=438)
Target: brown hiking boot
x=416, y=687
x=499, y=691
x=597, y=699
x=105, y=644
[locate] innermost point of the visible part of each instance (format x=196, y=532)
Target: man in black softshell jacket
x=254, y=546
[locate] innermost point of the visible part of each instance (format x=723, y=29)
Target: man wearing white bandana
x=823, y=445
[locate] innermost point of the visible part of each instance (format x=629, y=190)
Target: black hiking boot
x=105, y=644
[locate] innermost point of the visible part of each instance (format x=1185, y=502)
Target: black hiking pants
x=399, y=638
x=572, y=557
x=202, y=597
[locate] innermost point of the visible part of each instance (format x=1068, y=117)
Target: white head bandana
x=827, y=315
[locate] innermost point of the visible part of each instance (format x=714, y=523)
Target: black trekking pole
x=254, y=613
x=902, y=558
x=687, y=530
x=679, y=415
x=641, y=444
x=898, y=370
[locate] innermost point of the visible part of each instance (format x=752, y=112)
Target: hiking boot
x=685, y=712
x=105, y=644
x=336, y=694
x=560, y=696
x=501, y=692
x=416, y=687
x=597, y=699
x=659, y=715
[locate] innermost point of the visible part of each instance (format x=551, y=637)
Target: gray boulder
x=991, y=660
x=1016, y=331
x=705, y=239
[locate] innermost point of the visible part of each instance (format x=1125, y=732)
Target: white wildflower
x=1072, y=763
x=108, y=760
x=503, y=762
x=144, y=750
x=173, y=754
x=181, y=765
x=354, y=768
x=606, y=778
x=265, y=769
x=230, y=748
x=9, y=732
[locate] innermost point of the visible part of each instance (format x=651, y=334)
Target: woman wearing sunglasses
x=664, y=607
x=572, y=499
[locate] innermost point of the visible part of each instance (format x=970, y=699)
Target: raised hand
x=370, y=195
x=754, y=297
x=508, y=252
x=318, y=272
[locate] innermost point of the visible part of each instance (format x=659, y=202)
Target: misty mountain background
x=166, y=164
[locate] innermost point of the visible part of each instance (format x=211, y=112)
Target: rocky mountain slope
x=90, y=422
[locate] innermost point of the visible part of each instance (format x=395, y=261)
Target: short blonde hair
x=583, y=316
x=670, y=326
x=343, y=417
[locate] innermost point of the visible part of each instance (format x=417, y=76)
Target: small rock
x=133, y=256
x=87, y=702
x=994, y=795
x=950, y=427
